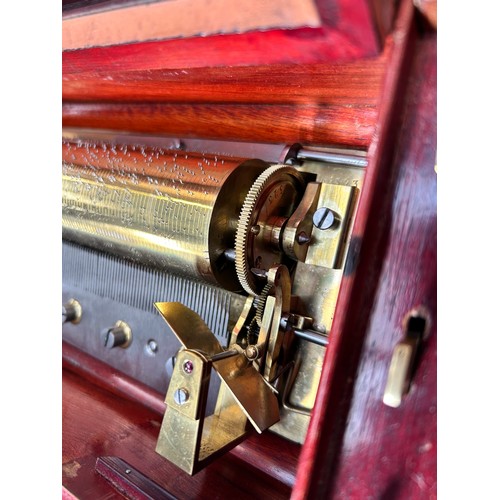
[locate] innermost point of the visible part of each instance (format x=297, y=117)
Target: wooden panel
x=320, y=453
x=413, y=265
x=356, y=83
x=317, y=103
x=258, y=123
x=392, y=451
x=96, y=423
x=269, y=453
x=347, y=32
x=384, y=12
x=183, y=18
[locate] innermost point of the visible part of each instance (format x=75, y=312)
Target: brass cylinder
x=169, y=209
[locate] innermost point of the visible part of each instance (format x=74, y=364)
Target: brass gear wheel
x=261, y=303
x=248, y=215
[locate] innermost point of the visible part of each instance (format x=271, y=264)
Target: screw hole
x=417, y=323
x=151, y=347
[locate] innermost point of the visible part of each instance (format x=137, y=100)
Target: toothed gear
x=261, y=303
x=245, y=223
x=253, y=332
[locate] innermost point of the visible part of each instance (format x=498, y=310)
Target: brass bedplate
x=276, y=234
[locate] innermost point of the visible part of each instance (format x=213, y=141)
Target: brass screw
x=302, y=238
x=252, y=352
x=72, y=312
x=181, y=396
x=324, y=218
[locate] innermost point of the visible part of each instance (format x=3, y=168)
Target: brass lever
x=187, y=437
x=416, y=327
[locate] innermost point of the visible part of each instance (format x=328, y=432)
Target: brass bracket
x=187, y=437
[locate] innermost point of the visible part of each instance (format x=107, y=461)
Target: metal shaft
x=311, y=336
x=341, y=159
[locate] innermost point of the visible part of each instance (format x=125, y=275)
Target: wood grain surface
x=355, y=83
x=254, y=123
x=314, y=104
x=356, y=447
x=400, y=459
x=375, y=299
x=269, y=453
x=146, y=88
x=96, y=423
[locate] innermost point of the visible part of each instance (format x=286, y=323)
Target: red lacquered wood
x=97, y=423
x=129, y=481
x=111, y=379
x=384, y=12
x=258, y=123
x=66, y=495
x=356, y=20
x=269, y=453
x=348, y=32
x=356, y=83
x=391, y=452
x=301, y=46
x=320, y=451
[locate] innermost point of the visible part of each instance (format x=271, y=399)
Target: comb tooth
x=139, y=286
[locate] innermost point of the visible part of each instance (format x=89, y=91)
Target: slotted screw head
x=181, y=396
x=324, y=218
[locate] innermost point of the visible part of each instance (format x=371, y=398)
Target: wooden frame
x=387, y=117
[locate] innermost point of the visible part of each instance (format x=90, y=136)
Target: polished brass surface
x=300, y=224
x=249, y=390
x=315, y=288
x=279, y=277
x=189, y=328
x=398, y=380
x=121, y=330
x=181, y=430
x=218, y=219
x=243, y=318
x=416, y=330
x=302, y=394
x=192, y=384
x=187, y=437
x=273, y=196
x=72, y=311
x=169, y=210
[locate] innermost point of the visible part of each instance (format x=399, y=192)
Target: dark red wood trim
x=301, y=46
x=98, y=423
x=320, y=452
x=356, y=83
x=109, y=378
x=254, y=123
x=400, y=460
x=349, y=31
x=268, y=453
x=129, y=481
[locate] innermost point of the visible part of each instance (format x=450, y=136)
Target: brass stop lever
x=187, y=437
